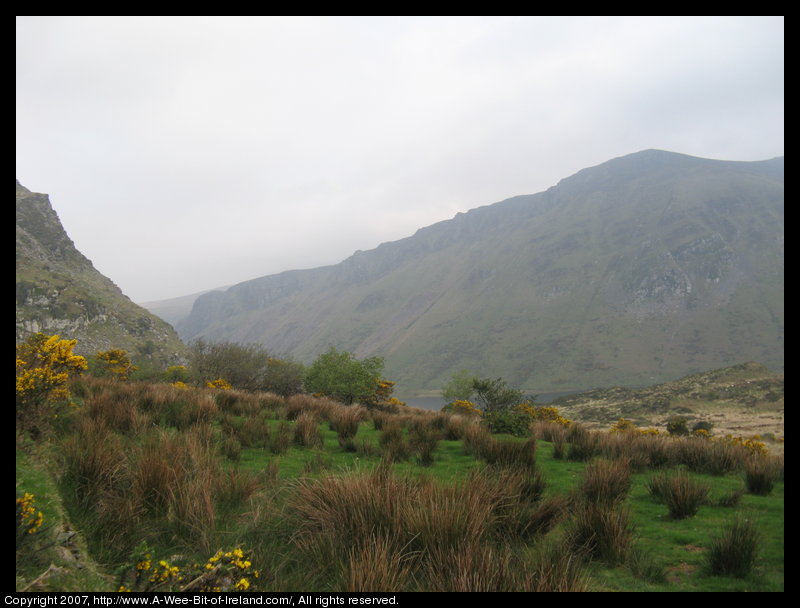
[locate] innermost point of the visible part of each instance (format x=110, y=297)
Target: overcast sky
x=187, y=153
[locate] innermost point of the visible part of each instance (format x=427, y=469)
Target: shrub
x=44, y=366
x=702, y=425
x=677, y=425
x=624, y=425
x=462, y=407
x=493, y=395
x=341, y=376
x=114, y=363
x=507, y=422
x=735, y=550
x=29, y=518
x=224, y=571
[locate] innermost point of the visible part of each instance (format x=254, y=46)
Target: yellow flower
x=243, y=584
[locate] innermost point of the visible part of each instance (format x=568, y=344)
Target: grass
x=429, y=503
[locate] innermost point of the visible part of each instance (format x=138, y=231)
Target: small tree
x=459, y=387
x=493, y=395
x=284, y=376
x=341, y=376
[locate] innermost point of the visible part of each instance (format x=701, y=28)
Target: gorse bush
x=114, y=363
x=224, y=571
x=44, y=367
x=29, y=518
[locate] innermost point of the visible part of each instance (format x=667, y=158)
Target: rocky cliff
x=60, y=292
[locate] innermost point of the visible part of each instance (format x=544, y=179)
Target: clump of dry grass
x=606, y=482
x=306, y=431
x=682, y=494
x=761, y=472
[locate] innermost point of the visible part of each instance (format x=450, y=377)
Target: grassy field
x=154, y=487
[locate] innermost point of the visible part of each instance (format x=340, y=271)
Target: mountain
x=642, y=269
x=60, y=292
x=174, y=310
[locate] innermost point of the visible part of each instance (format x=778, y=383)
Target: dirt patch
x=676, y=574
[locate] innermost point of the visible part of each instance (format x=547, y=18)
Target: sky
x=188, y=153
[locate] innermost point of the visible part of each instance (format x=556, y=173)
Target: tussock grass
x=682, y=494
x=601, y=532
x=734, y=551
x=606, y=482
x=306, y=431
x=426, y=502
x=761, y=472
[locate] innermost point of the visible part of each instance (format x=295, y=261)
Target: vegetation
x=247, y=367
x=339, y=375
x=191, y=488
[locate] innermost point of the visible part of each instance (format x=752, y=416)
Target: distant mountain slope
x=60, y=292
x=642, y=269
x=175, y=310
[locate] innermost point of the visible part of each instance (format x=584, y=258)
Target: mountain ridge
x=59, y=291
x=616, y=274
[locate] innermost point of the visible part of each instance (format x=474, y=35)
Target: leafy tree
x=459, y=388
x=341, y=376
x=284, y=376
x=245, y=366
x=494, y=395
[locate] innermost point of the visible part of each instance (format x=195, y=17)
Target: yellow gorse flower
x=464, y=407
x=28, y=517
x=43, y=367
x=219, y=383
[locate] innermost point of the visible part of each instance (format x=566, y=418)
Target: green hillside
x=643, y=269
x=60, y=292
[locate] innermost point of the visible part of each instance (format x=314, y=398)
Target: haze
x=186, y=153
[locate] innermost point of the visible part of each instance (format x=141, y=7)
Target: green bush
x=341, y=376
x=507, y=422
x=677, y=425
